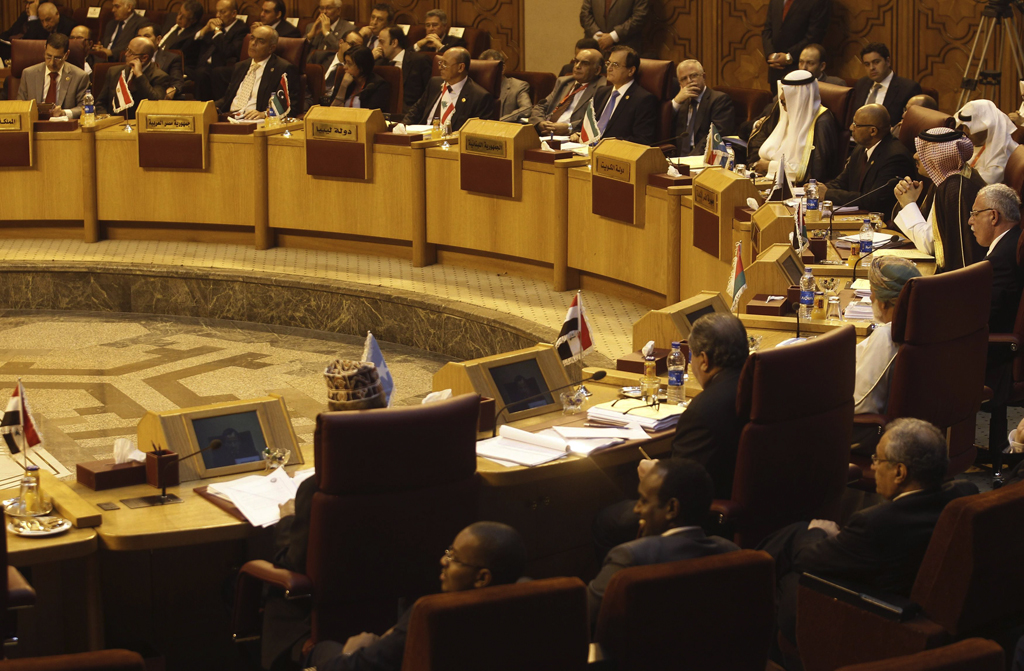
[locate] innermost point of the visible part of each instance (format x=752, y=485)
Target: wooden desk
x=46, y=200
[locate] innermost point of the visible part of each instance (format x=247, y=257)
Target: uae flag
x=122, y=94
x=737, y=278
x=589, y=132
x=574, y=338
x=12, y=426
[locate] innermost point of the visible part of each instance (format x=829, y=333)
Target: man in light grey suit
x=561, y=113
x=621, y=23
x=327, y=27
x=55, y=80
x=675, y=498
x=515, y=93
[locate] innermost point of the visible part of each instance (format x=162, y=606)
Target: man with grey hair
x=47, y=21
x=256, y=79
x=697, y=107
x=995, y=222
x=881, y=547
x=121, y=29
x=439, y=38
x=326, y=30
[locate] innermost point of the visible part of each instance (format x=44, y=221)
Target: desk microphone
x=892, y=241
x=214, y=445
x=832, y=212
x=599, y=375
x=796, y=308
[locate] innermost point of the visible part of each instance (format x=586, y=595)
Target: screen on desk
x=700, y=312
x=518, y=381
x=792, y=269
x=241, y=436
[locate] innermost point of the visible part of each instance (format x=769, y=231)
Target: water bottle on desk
x=88, y=108
x=676, y=375
x=867, y=238
x=732, y=157
x=807, y=289
x=812, y=215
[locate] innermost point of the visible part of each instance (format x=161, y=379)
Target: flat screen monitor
x=700, y=312
x=517, y=382
x=241, y=434
x=792, y=269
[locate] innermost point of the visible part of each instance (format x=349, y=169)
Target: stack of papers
x=259, y=497
x=518, y=447
x=859, y=310
x=861, y=287
x=647, y=417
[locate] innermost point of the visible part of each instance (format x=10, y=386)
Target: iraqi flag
x=574, y=338
x=12, y=429
x=281, y=101
x=589, y=132
x=122, y=94
x=737, y=278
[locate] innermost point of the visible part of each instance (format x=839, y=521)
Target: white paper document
x=878, y=239
x=520, y=447
x=259, y=497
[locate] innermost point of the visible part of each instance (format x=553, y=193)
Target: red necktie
x=608, y=7
x=785, y=9
x=566, y=101
x=51, y=94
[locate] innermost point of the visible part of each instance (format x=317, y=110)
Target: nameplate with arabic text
x=705, y=198
x=10, y=122
x=170, y=123
x=611, y=168
x=333, y=130
x=486, y=146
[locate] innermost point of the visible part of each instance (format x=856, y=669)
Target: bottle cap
x=675, y=343
x=31, y=467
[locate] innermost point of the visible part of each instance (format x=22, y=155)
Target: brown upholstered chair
x=292, y=49
x=101, y=660
x=938, y=374
x=1014, y=175
x=839, y=99
x=780, y=480
x=998, y=428
x=81, y=17
x=973, y=654
x=25, y=53
x=394, y=487
x=488, y=75
x=701, y=614
x=658, y=77
x=314, y=75
x=749, y=103
x=969, y=584
x=539, y=625
x=541, y=83
x=917, y=119
x=393, y=76
x=477, y=41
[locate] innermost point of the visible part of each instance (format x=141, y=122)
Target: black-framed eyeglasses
x=875, y=460
x=863, y=125
x=452, y=559
x=975, y=213
x=656, y=405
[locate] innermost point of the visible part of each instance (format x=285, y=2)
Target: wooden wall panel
x=503, y=19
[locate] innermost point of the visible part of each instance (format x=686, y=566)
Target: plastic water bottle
x=813, y=213
x=732, y=156
x=867, y=238
x=676, y=375
x=807, y=289
x=88, y=108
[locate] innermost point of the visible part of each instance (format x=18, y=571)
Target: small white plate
x=21, y=526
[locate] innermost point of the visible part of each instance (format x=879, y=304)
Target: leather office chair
x=938, y=374
x=998, y=428
x=26, y=53
x=393, y=76
x=314, y=76
x=969, y=584
x=749, y=103
x=973, y=654
x=292, y=49
x=917, y=119
x=704, y=614
x=395, y=486
x=541, y=83
x=658, y=77
x=839, y=99
x=1014, y=175
x=99, y=76
x=81, y=17
x=780, y=479
x=539, y=625
x=101, y=660
x=488, y=75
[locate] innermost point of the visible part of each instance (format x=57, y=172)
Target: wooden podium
x=774, y=271
x=771, y=224
x=174, y=134
x=339, y=141
x=717, y=194
x=618, y=179
x=675, y=321
x=491, y=156
x=17, y=133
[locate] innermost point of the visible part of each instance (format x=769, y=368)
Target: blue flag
x=372, y=353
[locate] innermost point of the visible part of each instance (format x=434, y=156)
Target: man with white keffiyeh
x=990, y=131
x=938, y=225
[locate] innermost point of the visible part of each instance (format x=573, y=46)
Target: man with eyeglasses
x=625, y=109
x=881, y=547
x=438, y=38
x=696, y=108
x=170, y=63
x=877, y=159
x=484, y=554
x=47, y=21
x=453, y=98
x=561, y=113
x=145, y=80
x=55, y=81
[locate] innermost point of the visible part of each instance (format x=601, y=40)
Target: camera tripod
x=998, y=14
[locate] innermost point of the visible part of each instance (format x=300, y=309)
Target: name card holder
x=716, y=195
x=771, y=224
x=491, y=156
x=339, y=141
x=17, y=133
x=619, y=173
x=173, y=134
x=776, y=269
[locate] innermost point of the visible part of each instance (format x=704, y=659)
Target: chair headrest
x=656, y=76
x=917, y=119
x=943, y=307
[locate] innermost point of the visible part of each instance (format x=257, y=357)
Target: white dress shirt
x=242, y=106
x=880, y=97
x=399, y=58
x=622, y=94
x=996, y=242
x=871, y=385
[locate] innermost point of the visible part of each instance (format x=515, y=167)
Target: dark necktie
x=117, y=31
x=51, y=93
x=862, y=168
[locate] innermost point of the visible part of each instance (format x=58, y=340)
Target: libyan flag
x=281, y=102
x=11, y=425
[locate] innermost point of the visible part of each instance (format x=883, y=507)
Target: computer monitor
x=793, y=269
x=521, y=385
x=241, y=435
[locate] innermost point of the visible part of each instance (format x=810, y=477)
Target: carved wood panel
x=503, y=19
x=675, y=26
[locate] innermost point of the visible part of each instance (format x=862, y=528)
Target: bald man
x=218, y=44
x=917, y=101
x=47, y=21
x=453, y=98
x=878, y=158
x=258, y=77
x=145, y=80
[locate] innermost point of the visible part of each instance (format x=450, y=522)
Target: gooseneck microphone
x=832, y=212
x=214, y=445
x=599, y=375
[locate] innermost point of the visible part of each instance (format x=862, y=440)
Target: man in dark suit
x=179, y=29
x=453, y=97
x=165, y=60
x=618, y=22
x=789, y=26
x=381, y=16
x=259, y=77
x=274, y=14
x=119, y=31
x=561, y=113
x=812, y=59
x=696, y=108
x=708, y=432
x=327, y=28
x=416, y=69
x=219, y=45
x=881, y=547
x=881, y=85
x=878, y=158
x=49, y=21
x=625, y=109
x=675, y=499
x=483, y=554
x=438, y=38
x=145, y=80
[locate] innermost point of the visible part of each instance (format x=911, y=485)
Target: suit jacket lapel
x=267, y=82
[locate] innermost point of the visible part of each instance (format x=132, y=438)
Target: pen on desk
x=646, y=456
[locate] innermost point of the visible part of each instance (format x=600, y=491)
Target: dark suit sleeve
x=415, y=80
x=482, y=108
x=816, y=26
x=379, y=98
x=223, y=105
x=645, y=124
x=540, y=110
x=384, y=655
x=767, y=33
x=896, y=164
x=176, y=73
x=634, y=24
x=587, y=21
x=418, y=112
x=152, y=88
x=852, y=554
x=723, y=115
x=17, y=28
x=824, y=162
x=618, y=558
